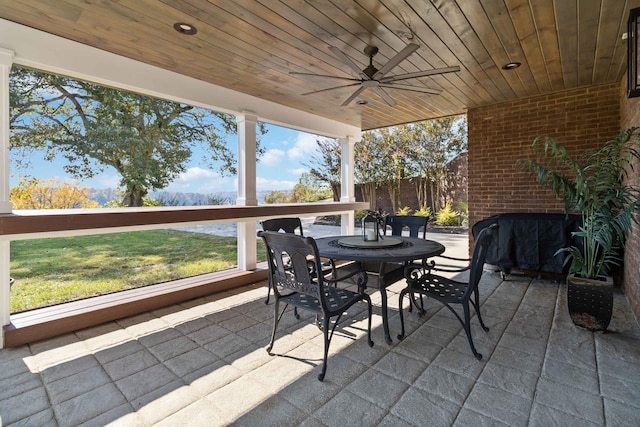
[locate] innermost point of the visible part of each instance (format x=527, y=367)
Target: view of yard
x=55, y=270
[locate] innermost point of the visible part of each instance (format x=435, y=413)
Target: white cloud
x=298, y=171
x=265, y=184
x=304, y=147
x=108, y=181
x=197, y=173
x=272, y=157
x=198, y=180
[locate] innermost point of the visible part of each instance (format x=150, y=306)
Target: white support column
x=347, y=181
x=247, y=146
x=6, y=60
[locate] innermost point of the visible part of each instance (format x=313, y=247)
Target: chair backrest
x=413, y=223
x=480, y=248
x=287, y=225
x=289, y=256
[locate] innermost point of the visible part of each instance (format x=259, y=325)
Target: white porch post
x=347, y=181
x=247, y=188
x=6, y=60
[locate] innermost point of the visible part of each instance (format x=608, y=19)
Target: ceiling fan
x=376, y=79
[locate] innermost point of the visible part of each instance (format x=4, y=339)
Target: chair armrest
x=432, y=265
x=419, y=275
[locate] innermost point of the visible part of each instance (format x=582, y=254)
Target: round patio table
x=384, y=260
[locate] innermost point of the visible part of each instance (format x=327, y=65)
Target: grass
x=56, y=270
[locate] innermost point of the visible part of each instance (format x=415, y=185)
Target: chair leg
x=476, y=307
x=467, y=329
x=325, y=331
x=370, y=341
x=276, y=320
x=413, y=301
x=268, y=293
x=402, y=294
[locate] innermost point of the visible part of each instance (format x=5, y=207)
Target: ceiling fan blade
x=351, y=79
x=353, y=96
x=412, y=88
x=331, y=88
x=384, y=95
x=420, y=74
x=347, y=61
x=398, y=58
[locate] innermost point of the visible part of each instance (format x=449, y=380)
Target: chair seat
x=442, y=288
x=336, y=299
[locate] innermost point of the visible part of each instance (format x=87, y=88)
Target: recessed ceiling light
x=184, y=28
x=511, y=65
x=362, y=102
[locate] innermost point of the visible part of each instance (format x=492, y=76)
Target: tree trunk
x=422, y=192
x=434, y=208
x=369, y=194
x=393, y=195
x=133, y=196
x=335, y=189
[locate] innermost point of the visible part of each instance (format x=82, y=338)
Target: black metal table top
x=411, y=249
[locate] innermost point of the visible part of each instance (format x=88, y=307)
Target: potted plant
x=595, y=186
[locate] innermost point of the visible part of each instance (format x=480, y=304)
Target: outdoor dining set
x=307, y=273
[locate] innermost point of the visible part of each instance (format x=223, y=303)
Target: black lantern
x=370, y=227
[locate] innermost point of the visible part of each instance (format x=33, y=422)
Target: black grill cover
x=529, y=241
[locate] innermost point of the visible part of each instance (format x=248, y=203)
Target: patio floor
x=204, y=363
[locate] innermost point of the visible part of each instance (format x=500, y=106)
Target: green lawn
x=55, y=270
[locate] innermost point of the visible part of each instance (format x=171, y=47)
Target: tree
x=308, y=190
x=327, y=161
x=50, y=194
x=369, y=166
x=433, y=144
x=275, y=197
x=396, y=142
x=146, y=140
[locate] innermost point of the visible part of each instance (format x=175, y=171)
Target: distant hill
x=102, y=195
x=171, y=198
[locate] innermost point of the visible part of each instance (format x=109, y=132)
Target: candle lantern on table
x=370, y=228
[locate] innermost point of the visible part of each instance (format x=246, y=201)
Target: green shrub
x=424, y=212
x=404, y=211
x=360, y=214
x=463, y=208
x=447, y=216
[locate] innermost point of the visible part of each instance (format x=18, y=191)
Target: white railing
x=33, y=224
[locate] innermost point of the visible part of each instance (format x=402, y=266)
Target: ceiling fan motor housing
x=377, y=79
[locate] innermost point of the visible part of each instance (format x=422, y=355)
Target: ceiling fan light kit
x=376, y=79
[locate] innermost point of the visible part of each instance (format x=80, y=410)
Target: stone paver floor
x=204, y=363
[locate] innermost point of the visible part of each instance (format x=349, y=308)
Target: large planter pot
x=590, y=302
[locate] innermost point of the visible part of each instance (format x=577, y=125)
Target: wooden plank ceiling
x=251, y=46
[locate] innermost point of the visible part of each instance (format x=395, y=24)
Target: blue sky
x=279, y=169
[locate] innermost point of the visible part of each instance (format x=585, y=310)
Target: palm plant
x=595, y=185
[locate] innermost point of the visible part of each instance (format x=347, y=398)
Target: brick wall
x=500, y=134
x=630, y=117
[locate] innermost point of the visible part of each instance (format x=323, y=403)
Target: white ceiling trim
x=40, y=50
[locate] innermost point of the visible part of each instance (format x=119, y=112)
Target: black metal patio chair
x=421, y=280
x=291, y=225
x=293, y=284
x=284, y=225
x=416, y=224
x=413, y=223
